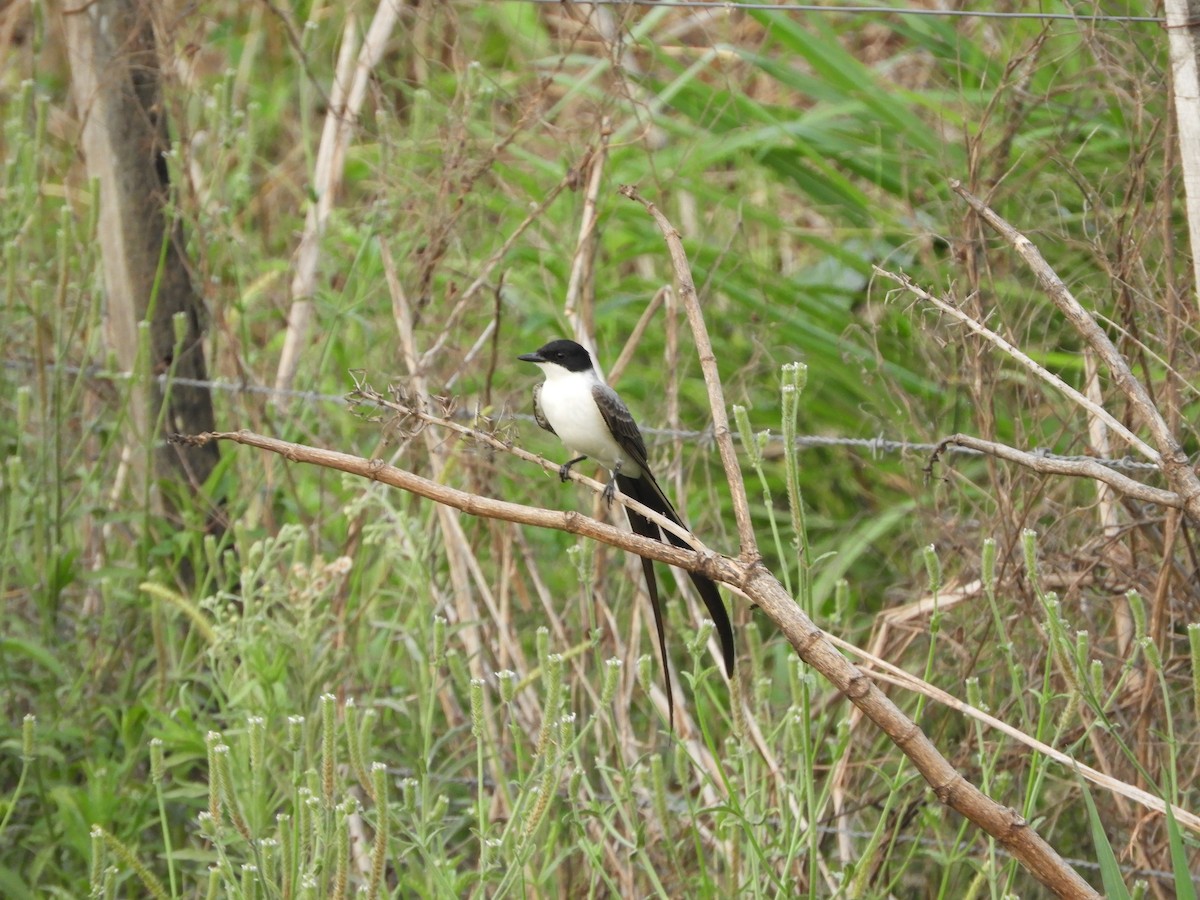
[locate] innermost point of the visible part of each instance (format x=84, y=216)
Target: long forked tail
x=647, y=492
x=643, y=526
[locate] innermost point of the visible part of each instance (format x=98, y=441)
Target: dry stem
x=346, y=100
x=1005, y=825
x=950, y=787
x=1175, y=466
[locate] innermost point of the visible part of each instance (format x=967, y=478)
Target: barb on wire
x=876, y=446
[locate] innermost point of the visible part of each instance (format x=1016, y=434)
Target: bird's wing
x=538, y=415
x=648, y=491
x=620, y=422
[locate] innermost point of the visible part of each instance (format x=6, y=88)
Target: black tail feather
x=643, y=526
x=647, y=492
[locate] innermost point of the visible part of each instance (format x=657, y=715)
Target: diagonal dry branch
x=717, y=567
x=351, y=79
x=745, y=573
x=729, y=571
x=812, y=645
x=1176, y=468
x=763, y=589
x=1023, y=359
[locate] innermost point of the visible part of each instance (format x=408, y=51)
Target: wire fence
x=851, y=9
x=875, y=446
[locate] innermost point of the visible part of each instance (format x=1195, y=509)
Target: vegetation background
x=350, y=689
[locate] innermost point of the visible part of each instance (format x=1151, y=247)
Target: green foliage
x=346, y=688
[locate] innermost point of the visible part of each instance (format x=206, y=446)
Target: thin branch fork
x=1176, y=468
x=1023, y=359
x=1079, y=468
x=1075, y=468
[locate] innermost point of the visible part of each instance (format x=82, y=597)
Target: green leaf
x=1110, y=871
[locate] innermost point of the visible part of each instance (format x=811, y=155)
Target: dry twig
x=1022, y=358
x=812, y=645
x=1005, y=825
x=1176, y=468
x=1078, y=468
x=745, y=573
x=346, y=100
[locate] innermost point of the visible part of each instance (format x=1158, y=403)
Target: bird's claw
x=610, y=491
x=564, y=472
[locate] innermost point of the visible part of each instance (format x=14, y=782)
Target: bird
x=592, y=421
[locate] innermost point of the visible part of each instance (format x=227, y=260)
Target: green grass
x=189, y=739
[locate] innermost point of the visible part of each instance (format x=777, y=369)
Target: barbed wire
x=876, y=446
x=719, y=5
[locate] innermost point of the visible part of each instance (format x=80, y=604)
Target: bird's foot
x=610, y=491
x=564, y=471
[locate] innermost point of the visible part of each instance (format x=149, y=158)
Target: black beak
x=534, y=357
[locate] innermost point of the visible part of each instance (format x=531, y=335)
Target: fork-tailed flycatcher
x=592, y=421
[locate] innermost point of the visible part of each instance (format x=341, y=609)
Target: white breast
x=567, y=403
